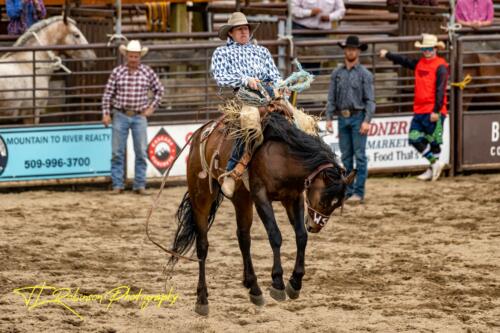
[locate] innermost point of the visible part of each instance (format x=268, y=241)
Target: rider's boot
x=228, y=186
x=229, y=181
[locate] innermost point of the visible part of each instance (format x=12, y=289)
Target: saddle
x=227, y=125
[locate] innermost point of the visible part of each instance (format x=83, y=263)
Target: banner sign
x=54, y=152
x=481, y=138
x=164, y=145
x=387, y=146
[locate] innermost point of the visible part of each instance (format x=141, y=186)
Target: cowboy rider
x=241, y=63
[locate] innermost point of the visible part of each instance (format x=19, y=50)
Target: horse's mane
x=309, y=149
x=24, y=38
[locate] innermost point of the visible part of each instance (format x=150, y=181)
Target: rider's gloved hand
x=252, y=83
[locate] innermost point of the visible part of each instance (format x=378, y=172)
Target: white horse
x=16, y=93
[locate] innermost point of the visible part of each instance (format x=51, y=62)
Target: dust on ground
x=417, y=257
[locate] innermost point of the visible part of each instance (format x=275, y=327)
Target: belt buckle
x=129, y=113
x=345, y=113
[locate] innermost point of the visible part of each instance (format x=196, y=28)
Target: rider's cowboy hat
x=429, y=40
x=133, y=46
x=235, y=20
x=353, y=41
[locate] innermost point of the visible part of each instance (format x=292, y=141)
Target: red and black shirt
x=431, y=76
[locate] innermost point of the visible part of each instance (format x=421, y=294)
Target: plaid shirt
x=129, y=91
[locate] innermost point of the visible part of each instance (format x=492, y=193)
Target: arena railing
x=191, y=94
x=393, y=90
x=184, y=69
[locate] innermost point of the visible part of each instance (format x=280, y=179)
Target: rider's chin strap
x=57, y=61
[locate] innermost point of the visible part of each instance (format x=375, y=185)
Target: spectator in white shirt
x=316, y=14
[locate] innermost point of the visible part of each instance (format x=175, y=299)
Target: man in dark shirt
x=351, y=97
x=429, y=106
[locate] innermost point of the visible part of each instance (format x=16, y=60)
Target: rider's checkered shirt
x=233, y=64
x=129, y=91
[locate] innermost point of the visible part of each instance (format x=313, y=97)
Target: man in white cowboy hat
x=126, y=97
x=429, y=105
x=241, y=63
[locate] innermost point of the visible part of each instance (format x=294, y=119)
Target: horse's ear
x=350, y=177
x=66, y=12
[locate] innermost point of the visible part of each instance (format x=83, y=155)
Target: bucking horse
x=290, y=166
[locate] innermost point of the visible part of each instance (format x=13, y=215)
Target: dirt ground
x=417, y=257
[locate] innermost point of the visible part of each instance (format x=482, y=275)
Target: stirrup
x=221, y=177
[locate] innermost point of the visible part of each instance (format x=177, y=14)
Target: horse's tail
x=186, y=230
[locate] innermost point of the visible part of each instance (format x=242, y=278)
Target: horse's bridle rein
x=317, y=217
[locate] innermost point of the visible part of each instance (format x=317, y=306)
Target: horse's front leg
x=244, y=215
x=295, y=212
x=266, y=214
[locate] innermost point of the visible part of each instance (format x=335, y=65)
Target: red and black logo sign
x=162, y=150
x=4, y=155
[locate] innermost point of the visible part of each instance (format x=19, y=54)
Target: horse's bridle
x=317, y=217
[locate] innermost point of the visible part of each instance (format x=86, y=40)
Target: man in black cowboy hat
x=351, y=97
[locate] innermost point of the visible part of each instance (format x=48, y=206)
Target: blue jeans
x=353, y=145
x=236, y=154
x=121, y=125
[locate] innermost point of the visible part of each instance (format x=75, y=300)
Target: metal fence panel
x=478, y=108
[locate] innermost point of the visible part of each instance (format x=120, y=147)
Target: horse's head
x=73, y=36
x=325, y=191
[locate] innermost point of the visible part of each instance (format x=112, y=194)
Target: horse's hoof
x=201, y=309
x=291, y=292
x=257, y=300
x=277, y=294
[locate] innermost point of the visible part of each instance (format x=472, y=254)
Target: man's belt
x=127, y=112
x=346, y=113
